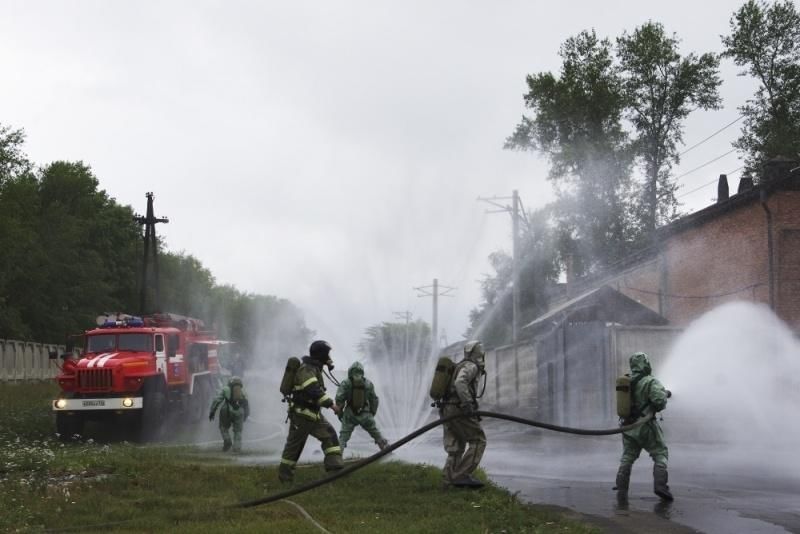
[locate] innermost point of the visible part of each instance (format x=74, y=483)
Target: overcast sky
x=327, y=152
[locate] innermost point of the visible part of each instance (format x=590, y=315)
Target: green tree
x=13, y=161
x=576, y=123
x=18, y=200
x=765, y=39
x=661, y=88
x=90, y=242
x=22, y=253
x=70, y=252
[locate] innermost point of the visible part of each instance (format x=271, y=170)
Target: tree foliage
x=661, y=88
x=13, y=161
x=606, y=109
x=70, y=253
x=576, y=122
x=765, y=39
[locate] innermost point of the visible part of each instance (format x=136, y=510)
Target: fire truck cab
x=134, y=371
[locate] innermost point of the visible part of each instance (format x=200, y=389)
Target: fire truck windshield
x=129, y=342
x=103, y=343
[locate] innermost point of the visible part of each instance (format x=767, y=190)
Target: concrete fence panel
x=5, y=364
x=26, y=360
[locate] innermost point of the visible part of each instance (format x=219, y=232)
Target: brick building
x=746, y=246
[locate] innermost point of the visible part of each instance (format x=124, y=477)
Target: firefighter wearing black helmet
x=308, y=397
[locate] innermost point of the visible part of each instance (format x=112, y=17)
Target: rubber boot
x=285, y=473
x=226, y=445
x=333, y=462
x=623, y=481
x=660, y=486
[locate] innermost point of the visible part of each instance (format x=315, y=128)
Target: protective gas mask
x=329, y=363
x=480, y=361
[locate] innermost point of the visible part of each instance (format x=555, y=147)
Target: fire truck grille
x=94, y=379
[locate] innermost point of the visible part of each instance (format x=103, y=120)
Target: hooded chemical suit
x=305, y=417
x=648, y=395
x=464, y=434
x=234, y=409
x=354, y=416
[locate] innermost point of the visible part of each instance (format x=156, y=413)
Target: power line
x=711, y=296
x=707, y=163
x=712, y=135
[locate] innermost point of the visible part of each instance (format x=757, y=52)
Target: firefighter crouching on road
x=234, y=411
x=308, y=397
x=357, y=395
x=647, y=395
x=461, y=397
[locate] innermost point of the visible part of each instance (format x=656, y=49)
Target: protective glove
x=211, y=417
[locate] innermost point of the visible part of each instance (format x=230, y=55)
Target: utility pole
x=433, y=291
x=149, y=222
x=515, y=210
x=407, y=316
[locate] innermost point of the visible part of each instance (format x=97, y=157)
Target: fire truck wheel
x=68, y=425
x=152, y=415
x=199, y=401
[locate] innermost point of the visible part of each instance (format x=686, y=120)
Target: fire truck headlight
x=127, y=402
x=61, y=404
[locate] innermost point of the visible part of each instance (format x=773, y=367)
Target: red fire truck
x=135, y=371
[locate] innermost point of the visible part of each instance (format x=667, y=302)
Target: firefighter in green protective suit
x=464, y=439
x=234, y=409
x=648, y=396
x=308, y=397
x=357, y=395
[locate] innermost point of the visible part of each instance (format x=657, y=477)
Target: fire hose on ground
x=399, y=443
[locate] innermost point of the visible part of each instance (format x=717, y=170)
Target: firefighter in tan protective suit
x=464, y=439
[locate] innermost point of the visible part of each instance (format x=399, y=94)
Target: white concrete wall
x=25, y=360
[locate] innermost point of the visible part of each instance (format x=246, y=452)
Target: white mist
x=735, y=376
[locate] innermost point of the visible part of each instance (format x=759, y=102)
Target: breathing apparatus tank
x=624, y=396
x=358, y=394
x=287, y=382
x=441, y=378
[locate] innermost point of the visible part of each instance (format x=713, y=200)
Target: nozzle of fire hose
x=669, y=394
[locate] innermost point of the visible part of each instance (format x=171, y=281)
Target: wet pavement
x=713, y=495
